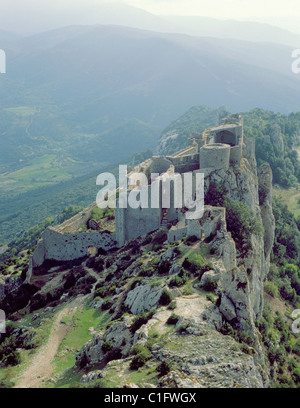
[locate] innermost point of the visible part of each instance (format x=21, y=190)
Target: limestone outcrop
x=143, y=298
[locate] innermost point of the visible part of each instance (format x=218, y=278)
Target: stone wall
x=74, y=223
x=235, y=154
x=177, y=233
x=70, y=246
x=160, y=164
x=211, y=220
x=185, y=164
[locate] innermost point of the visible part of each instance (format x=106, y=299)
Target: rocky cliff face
x=242, y=279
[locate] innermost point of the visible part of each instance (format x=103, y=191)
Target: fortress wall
x=135, y=222
x=215, y=156
x=144, y=167
x=188, y=151
x=209, y=223
x=249, y=152
x=160, y=164
x=38, y=256
x=68, y=247
x=120, y=217
x=74, y=223
x=184, y=164
x=235, y=154
x=176, y=234
x=139, y=222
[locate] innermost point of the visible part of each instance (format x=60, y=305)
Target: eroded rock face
x=143, y=298
x=91, y=376
x=242, y=275
x=208, y=359
x=118, y=335
x=268, y=220
x=227, y=308
x=91, y=353
x=8, y=285
x=176, y=379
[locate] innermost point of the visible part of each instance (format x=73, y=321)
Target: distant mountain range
x=58, y=14
x=80, y=98
x=82, y=83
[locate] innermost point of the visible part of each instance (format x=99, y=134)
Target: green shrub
x=183, y=327
x=271, y=289
x=107, y=304
x=210, y=297
x=141, y=319
x=114, y=354
x=139, y=349
x=178, y=281
x=164, y=368
x=210, y=285
x=140, y=359
x=227, y=329
x=277, y=354
x=166, y=298
x=241, y=222
x=4, y=383
x=9, y=356
x=172, y=306
x=164, y=267
x=173, y=319
x=107, y=346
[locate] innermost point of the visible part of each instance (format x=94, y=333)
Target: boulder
x=119, y=336
x=143, y=298
x=207, y=277
x=227, y=308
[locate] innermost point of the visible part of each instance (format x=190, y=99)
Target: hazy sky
x=26, y=16
x=213, y=8
x=221, y=8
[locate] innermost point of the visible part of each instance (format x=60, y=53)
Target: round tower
x=215, y=155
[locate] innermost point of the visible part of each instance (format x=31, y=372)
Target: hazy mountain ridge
x=92, y=79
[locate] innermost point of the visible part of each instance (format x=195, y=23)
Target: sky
x=212, y=8
x=221, y=8
x=39, y=15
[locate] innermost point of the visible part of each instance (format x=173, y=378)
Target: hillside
x=212, y=308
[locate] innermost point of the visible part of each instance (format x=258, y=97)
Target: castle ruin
x=217, y=148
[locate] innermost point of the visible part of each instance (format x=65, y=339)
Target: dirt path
x=41, y=368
